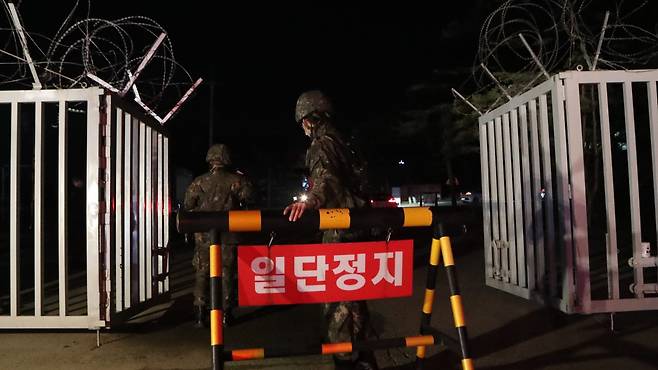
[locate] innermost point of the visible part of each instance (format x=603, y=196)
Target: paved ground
x=507, y=332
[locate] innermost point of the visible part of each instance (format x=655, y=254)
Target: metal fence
x=565, y=193
x=83, y=239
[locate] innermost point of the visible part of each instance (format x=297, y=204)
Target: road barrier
x=324, y=219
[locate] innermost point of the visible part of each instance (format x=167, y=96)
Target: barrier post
x=216, y=314
x=426, y=314
x=456, y=302
x=274, y=220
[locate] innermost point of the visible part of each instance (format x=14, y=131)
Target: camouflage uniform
x=336, y=184
x=217, y=190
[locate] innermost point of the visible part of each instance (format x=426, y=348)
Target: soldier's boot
x=341, y=364
x=199, y=317
x=366, y=361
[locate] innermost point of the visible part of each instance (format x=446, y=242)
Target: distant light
x=304, y=198
x=401, y=162
x=294, y=198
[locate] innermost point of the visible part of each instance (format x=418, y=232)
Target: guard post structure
x=324, y=219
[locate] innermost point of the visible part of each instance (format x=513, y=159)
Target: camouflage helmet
x=219, y=153
x=312, y=101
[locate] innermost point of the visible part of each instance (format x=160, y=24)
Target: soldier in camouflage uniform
x=337, y=182
x=217, y=190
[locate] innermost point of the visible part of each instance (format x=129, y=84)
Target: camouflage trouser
x=346, y=321
x=201, y=263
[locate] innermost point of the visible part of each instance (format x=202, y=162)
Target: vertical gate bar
x=140, y=207
x=127, y=200
x=38, y=206
x=611, y=218
x=634, y=192
x=509, y=254
x=528, y=217
x=160, y=205
x=500, y=163
x=119, y=266
x=538, y=215
x=108, y=212
x=93, y=211
x=486, y=207
x=14, y=219
x=548, y=197
x=518, y=202
x=578, y=195
x=62, y=206
x=149, y=213
x=495, y=267
x=166, y=205
x=498, y=171
x=564, y=242
x=653, y=124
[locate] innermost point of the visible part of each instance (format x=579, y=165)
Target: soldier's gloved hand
x=297, y=209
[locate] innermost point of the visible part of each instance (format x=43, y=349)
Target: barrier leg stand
x=426, y=316
x=456, y=302
x=216, y=314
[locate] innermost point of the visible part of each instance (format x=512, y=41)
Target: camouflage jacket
x=335, y=183
x=218, y=190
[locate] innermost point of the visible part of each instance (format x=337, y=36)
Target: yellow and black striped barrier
x=323, y=219
x=332, y=348
x=441, y=246
x=456, y=302
x=216, y=314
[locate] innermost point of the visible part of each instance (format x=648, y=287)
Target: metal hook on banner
x=388, y=235
x=272, y=236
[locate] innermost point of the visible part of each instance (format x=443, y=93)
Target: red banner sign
x=313, y=273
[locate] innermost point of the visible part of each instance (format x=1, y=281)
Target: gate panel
x=141, y=187
x=538, y=199
x=85, y=279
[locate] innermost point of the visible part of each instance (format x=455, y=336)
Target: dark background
x=260, y=58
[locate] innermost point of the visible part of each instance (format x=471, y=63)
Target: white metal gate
x=84, y=226
x=543, y=155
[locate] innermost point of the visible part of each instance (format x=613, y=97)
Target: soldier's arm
x=323, y=173
x=246, y=190
x=192, y=195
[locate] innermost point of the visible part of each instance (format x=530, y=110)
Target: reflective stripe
x=417, y=216
x=424, y=340
x=336, y=348
x=247, y=354
x=215, y=261
x=435, y=252
x=334, y=218
x=216, y=334
x=244, y=221
x=429, y=300
x=448, y=260
x=457, y=310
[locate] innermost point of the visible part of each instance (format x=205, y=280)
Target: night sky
x=261, y=58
